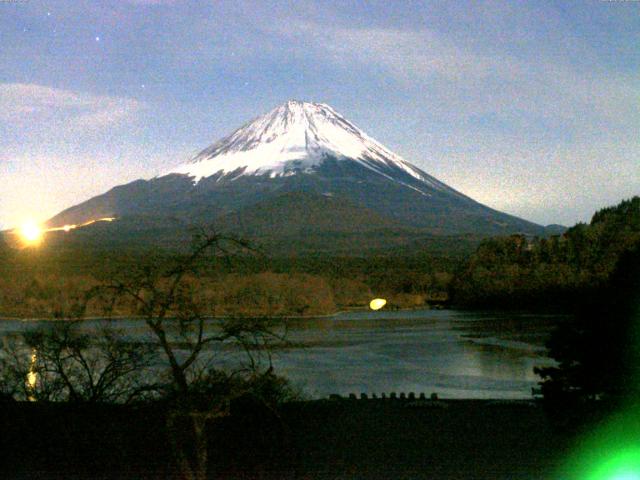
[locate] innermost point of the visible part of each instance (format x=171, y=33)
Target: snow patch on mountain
x=296, y=137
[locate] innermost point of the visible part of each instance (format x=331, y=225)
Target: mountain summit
x=299, y=173
x=297, y=137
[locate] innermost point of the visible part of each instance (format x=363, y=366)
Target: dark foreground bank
x=312, y=440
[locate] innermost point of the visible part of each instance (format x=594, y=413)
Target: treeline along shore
x=51, y=284
x=514, y=271
x=555, y=272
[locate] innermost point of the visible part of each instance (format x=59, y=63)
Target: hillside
x=518, y=272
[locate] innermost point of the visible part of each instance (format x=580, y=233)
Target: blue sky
x=532, y=108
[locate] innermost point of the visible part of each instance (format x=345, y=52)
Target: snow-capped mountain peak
x=298, y=170
x=295, y=137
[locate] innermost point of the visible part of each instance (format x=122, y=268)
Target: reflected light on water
x=377, y=303
x=32, y=376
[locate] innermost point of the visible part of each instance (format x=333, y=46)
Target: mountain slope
x=303, y=214
x=297, y=137
x=280, y=161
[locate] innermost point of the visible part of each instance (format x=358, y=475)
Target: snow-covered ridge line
x=297, y=136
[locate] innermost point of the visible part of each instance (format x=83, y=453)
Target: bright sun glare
x=31, y=232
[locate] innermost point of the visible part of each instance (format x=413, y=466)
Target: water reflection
x=456, y=354
x=32, y=376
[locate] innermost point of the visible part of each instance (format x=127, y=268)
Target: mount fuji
x=298, y=137
x=301, y=172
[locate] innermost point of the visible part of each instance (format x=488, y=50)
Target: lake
x=452, y=353
x=455, y=354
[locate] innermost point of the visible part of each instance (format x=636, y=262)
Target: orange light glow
x=31, y=233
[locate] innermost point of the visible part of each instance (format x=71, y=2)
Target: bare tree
x=61, y=362
x=201, y=388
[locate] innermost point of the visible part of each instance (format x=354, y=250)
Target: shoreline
x=461, y=308
x=219, y=317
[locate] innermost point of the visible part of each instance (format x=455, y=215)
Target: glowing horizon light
x=377, y=303
x=67, y=228
x=31, y=232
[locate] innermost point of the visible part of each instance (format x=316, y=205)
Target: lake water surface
x=456, y=354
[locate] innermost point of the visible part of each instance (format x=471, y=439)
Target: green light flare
x=623, y=465
x=626, y=476
x=612, y=450
x=611, y=453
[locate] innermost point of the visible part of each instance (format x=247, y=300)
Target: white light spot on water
x=377, y=303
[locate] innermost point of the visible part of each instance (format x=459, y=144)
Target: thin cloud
x=36, y=105
x=461, y=81
x=549, y=116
